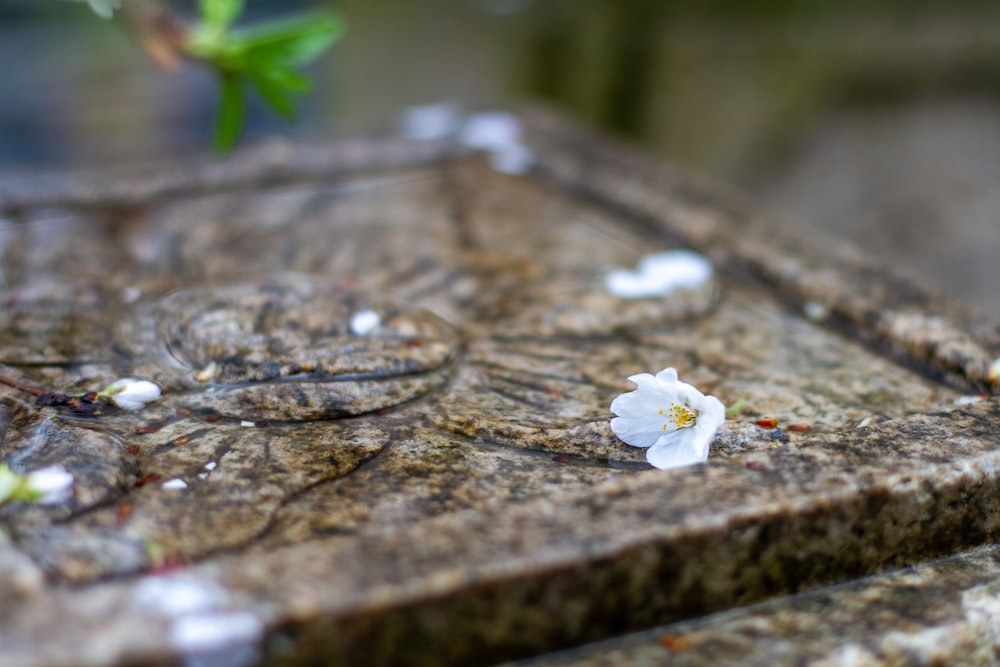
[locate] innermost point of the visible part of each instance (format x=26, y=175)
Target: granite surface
x=442, y=486
x=945, y=612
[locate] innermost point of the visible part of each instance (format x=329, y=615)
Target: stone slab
x=444, y=488
x=942, y=613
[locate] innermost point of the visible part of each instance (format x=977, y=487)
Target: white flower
x=131, y=394
x=659, y=274
x=673, y=419
x=48, y=486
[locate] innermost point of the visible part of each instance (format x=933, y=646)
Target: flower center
x=679, y=417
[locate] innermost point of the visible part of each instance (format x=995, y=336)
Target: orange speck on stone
x=675, y=643
x=124, y=511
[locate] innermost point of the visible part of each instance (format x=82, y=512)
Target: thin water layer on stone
x=446, y=347
x=295, y=348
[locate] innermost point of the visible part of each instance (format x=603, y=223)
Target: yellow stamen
x=680, y=417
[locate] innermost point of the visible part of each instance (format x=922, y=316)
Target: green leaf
x=296, y=40
x=216, y=15
x=232, y=110
x=275, y=93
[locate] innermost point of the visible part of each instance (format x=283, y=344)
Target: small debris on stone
x=175, y=483
x=149, y=478
x=208, y=373
x=131, y=294
x=124, y=512
x=815, y=311
x=247, y=423
x=994, y=373
x=767, y=423
x=675, y=643
x=967, y=400
x=799, y=427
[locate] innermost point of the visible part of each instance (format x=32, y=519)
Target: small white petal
x=132, y=394
x=667, y=375
x=659, y=274
x=175, y=483
x=434, y=121
x=966, y=400
x=490, y=131
x=247, y=423
x=815, y=311
x=677, y=450
x=364, y=321
x=512, y=159
x=131, y=294
x=199, y=633
x=174, y=596
x=54, y=483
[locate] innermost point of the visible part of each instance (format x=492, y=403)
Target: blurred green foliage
x=267, y=56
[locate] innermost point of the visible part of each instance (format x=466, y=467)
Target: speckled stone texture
x=441, y=486
x=942, y=613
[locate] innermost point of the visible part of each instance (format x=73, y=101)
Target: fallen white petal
x=433, y=121
x=198, y=633
x=512, y=159
x=176, y=483
x=966, y=400
x=660, y=274
x=364, y=321
x=54, y=484
x=174, y=596
x=131, y=294
x=490, y=131
x=131, y=394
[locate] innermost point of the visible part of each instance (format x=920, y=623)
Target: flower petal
x=636, y=433
x=667, y=375
x=676, y=450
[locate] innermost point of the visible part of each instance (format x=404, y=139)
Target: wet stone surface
x=350, y=361
x=527, y=353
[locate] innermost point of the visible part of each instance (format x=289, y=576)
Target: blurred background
x=875, y=120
